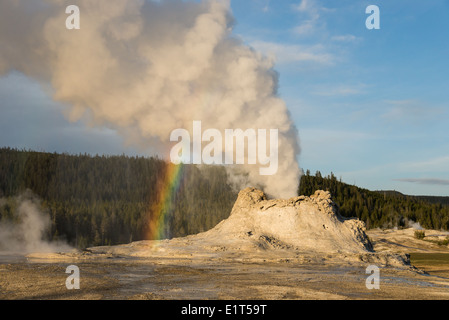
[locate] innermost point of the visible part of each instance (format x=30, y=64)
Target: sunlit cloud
x=288, y=53
x=310, y=12
x=345, y=38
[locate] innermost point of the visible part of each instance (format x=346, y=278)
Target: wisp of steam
x=27, y=230
x=145, y=68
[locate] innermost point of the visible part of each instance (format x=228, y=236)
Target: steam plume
x=26, y=232
x=146, y=68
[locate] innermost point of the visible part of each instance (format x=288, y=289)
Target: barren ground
x=170, y=277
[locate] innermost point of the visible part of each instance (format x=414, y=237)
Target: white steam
x=26, y=231
x=146, y=68
x=414, y=225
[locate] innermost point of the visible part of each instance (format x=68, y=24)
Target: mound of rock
x=300, y=223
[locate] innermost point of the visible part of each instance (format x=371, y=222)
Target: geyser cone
x=300, y=223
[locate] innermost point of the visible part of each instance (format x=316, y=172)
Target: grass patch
x=419, y=234
x=444, y=242
x=436, y=264
x=430, y=259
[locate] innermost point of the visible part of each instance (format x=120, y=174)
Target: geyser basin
x=300, y=229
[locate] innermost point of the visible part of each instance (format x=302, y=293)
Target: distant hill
x=392, y=193
x=430, y=199
x=383, y=209
x=433, y=199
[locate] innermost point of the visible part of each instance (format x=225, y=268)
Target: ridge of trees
x=106, y=200
x=380, y=209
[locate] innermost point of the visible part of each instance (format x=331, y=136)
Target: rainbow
x=163, y=204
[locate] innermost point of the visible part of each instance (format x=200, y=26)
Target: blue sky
x=371, y=106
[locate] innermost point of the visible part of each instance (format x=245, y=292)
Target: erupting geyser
x=146, y=68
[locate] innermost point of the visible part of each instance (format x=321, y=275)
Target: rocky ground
x=146, y=278
x=268, y=249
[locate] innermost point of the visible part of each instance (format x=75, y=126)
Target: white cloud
x=340, y=90
x=288, y=53
x=307, y=27
x=345, y=38
x=310, y=12
x=303, y=6
x=310, y=8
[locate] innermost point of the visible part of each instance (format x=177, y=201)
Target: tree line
x=106, y=200
x=380, y=209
